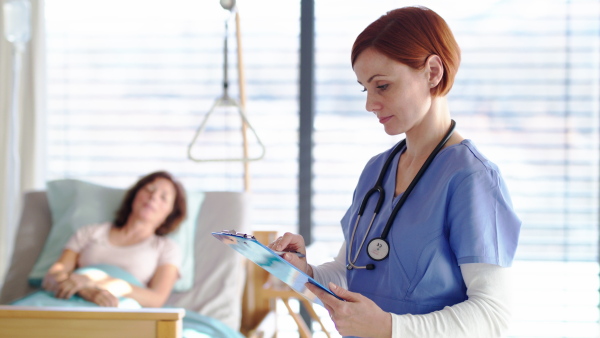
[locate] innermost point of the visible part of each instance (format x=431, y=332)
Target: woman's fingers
x=66, y=289
x=71, y=292
x=46, y=285
x=61, y=291
x=355, y=315
x=284, y=241
x=101, y=297
x=105, y=298
x=50, y=283
x=279, y=243
x=289, y=242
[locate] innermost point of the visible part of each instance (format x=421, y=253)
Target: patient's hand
x=99, y=296
x=52, y=281
x=70, y=286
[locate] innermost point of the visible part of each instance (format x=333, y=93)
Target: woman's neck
x=136, y=229
x=422, y=139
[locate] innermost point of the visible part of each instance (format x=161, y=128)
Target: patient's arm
x=155, y=295
x=61, y=280
x=60, y=270
x=99, y=296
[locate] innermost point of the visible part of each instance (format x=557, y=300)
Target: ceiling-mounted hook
x=228, y=4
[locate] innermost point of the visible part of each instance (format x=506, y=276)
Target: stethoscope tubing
x=415, y=180
x=378, y=188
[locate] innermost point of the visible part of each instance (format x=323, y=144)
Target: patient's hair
x=172, y=221
x=410, y=35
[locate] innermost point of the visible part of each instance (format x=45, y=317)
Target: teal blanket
x=195, y=325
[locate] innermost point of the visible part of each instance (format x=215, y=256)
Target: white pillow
x=75, y=203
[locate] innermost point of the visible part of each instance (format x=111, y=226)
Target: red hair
x=410, y=35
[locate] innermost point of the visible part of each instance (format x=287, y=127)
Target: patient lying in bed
x=212, y=275
x=129, y=260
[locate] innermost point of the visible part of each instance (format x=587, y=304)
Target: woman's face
x=398, y=94
x=154, y=201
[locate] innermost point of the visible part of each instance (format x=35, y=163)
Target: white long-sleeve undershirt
x=486, y=312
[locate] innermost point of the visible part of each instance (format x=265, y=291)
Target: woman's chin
x=392, y=131
x=147, y=217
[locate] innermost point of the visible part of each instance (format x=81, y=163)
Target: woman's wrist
x=83, y=281
x=309, y=271
x=89, y=289
x=59, y=276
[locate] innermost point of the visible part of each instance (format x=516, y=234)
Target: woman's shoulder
x=96, y=232
x=467, y=156
x=463, y=162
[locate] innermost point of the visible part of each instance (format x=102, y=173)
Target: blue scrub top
x=459, y=212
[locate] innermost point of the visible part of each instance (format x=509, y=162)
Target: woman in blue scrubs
x=427, y=252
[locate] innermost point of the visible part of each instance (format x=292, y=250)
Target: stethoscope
x=378, y=248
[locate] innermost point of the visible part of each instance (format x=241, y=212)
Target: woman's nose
x=372, y=105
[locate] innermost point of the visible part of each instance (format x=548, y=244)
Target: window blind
x=129, y=83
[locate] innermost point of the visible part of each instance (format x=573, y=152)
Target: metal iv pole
x=17, y=30
x=225, y=101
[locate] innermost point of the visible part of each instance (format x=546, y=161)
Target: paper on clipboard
x=267, y=259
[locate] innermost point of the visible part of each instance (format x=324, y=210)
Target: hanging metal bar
x=226, y=101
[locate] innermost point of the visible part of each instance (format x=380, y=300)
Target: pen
x=294, y=252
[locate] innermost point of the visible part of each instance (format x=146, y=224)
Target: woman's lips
x=383, y=120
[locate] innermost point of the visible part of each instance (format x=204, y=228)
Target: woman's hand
x=52, y=281
x=357, y=316
x=292, y=242
x=76, y=282
x=99, y=296
x=60, y=271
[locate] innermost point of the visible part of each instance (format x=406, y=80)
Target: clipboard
x=267, y=259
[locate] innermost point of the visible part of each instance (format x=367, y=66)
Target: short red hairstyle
x=410, y=35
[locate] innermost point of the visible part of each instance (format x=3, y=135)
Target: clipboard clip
x=238, y=234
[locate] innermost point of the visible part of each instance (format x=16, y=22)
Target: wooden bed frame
x=34, y=322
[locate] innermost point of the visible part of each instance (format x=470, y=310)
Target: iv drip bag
x=17, y=21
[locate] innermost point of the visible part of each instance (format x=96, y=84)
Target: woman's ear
x=434, y=70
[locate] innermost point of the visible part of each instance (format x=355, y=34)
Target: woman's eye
x=381, y=87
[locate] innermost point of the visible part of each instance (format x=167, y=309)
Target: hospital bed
x=215, y=295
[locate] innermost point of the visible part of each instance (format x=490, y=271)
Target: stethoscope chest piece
x=378, y=249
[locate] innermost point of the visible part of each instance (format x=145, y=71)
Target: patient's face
x=154, y=202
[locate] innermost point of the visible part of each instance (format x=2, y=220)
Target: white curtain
x=27, y=172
